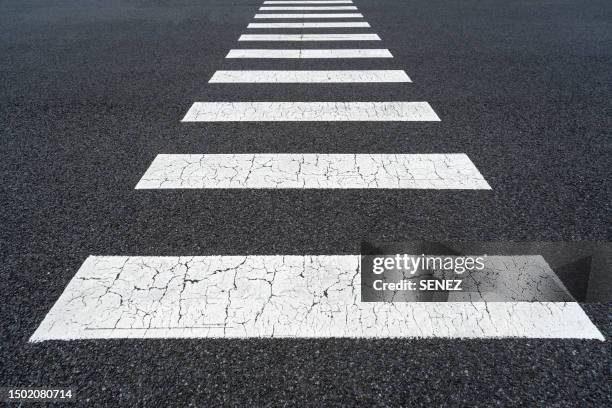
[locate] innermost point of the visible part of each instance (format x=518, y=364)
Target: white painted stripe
x=313, y=171
x=271, y=77
x=310, y=2
x=311, y=53
x=309, y=37
x=307, y=8
x=311, y=15
x=276, y=296
x=310, y=25
x=310, y=112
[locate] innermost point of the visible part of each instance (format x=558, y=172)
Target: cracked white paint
x=310, y=25
x=309, y=37
x=311, y=15
x=312, y=171
x=272, y=77
x=311, y=112
x=309, y=2
x=274, y=296
x=305, y=8
x=311, y=53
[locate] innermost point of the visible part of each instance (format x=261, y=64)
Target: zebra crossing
x=310, y=8
x=310, y=112
x=310, y=53
x=309, y=37
x=314, y=15
x=360, y=24
x=278, y=296
x=313, y=171
x=302, y=77
x=281, y=295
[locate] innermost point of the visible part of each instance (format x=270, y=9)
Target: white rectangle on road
x=311, y=53
x=276, y=296
x=295, y=77
x=309, y=2
x=311, y=112
x=355, y=24
x=309, y=37
x=313, y=171
x=311, y=15
x=307, y=8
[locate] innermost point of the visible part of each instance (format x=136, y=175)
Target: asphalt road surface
x=93, y=91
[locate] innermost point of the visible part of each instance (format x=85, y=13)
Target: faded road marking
x=311, y=15
x=275, y=296
x=309, y=37
x=310, y=112
x=307, y=8
x=312, y=171
x=310, y=53
x=310, y=25
x=309, y=2
x=271, y=77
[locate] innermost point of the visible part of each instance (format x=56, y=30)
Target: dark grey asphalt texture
x=92, y=90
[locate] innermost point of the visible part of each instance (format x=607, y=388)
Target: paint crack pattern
x=254, y=76
x=315, y=171
x=310, y=53
x=273, y=296
x=310, y=112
